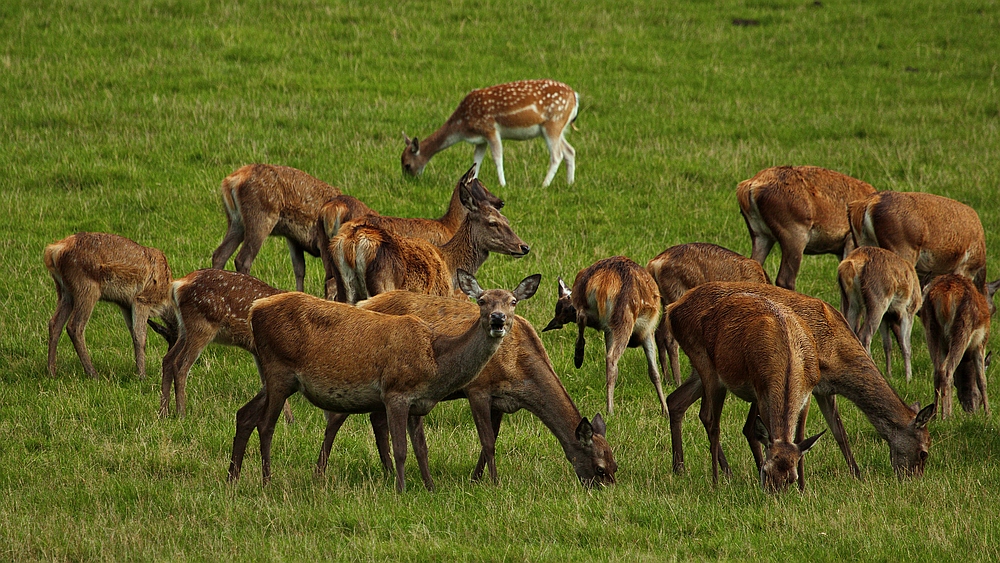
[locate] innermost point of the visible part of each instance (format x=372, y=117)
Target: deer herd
x=396, y=332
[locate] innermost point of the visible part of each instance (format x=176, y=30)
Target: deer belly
x=336, y=397
x=519, y=133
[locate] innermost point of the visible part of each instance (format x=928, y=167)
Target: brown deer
x=935, y=234
x=803, y=209
x=679, y=268
x=92, y=267
x=845, y=369
x=372, y=260
x=617, y=296
x=761, y=351
x=517, y=110
x=956, y=319
x=264, y=200
x=884, y=289
x=343, y=209
x=519, y=376
x=209, y=306
x=345, y=359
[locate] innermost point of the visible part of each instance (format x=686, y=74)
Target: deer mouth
x=522, y=250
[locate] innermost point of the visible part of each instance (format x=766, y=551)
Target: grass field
x=124, y=117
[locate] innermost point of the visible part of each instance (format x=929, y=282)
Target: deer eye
x=480, y=302
x=513, y=302
x=600, y=471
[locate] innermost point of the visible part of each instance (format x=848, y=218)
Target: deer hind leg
x=761, y=245
x=496, y=150
x=415, y=426
x=84, y=300
x=793, y=245
x=298, y=257
x=800, y=435
x=477, y=158
x=667, y=350
x=256, y=232
x=397, y=411
x=553, y=139
x=482, y=416
x=615, y=342
x=903, y=330
x=334, y=420
x=231, y=240
x=569, y=154
x=885, y=330
x=711, y=415
x=944, y=376
x=678, y=402
x=247, y=418
x=277, y=400
x=135, y=319
x=185, y=354
x=496, y=418
x=649, y=347
x=64, y=306
x=749, y=431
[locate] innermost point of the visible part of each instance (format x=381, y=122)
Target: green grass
x=124, y=117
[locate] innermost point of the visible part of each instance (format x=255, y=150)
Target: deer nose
x=525, y=249
x=497, y=319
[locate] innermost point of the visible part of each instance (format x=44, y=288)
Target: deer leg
x=761, y=245
x=496, y=417
x=397, y=412
x=477, y=158
x=276, y=400
x=253, y=239
x=334, y=420
x=188, y=349
x=569, y=154
x=482, y=416
x=614, y=346
x=944, y=377
x=231, y=240
x=792, y=246
x=578, y=353
x=247, y=418
x=415, y=426
x=711, y=417
x=903, y=330
x=135, y=319
x=64, y=306
x=884, y=330
x=553, y=139
x=751, y=435
x=649, y=346
x=800, y=434
x=83, y=305
x=297, y=255
x=828, y=406
x=496, y=150
x=678, y=402
x=667, y=350
x=980, y=363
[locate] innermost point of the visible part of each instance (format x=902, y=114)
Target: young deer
x=679, y=268
x=372, y=260
x=935, y=234
x=884, y=288
x=761, y=351
x=519, y=376
x=345, y=359
x=845, y=369
x=343, y=209
x=518, y=110
x=264, y=200
x=92, y=267
x=956, y=319
x=803, y=209
x=210, y=306
x=617, y=296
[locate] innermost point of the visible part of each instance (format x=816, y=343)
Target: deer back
x=612, y=287
x=954, y=310
x=874, y=275
x=220, y=301
x=681, y=267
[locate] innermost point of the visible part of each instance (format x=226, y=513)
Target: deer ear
x=761, y=433
x=563, y=290
x=414, y=145
x=527, y=287
x=986, y=361
x=805, y=445
x=991, y=288
x=925, y=416
x=585, y=433
x=406, y=139
x=468, y=283
x=600, y=428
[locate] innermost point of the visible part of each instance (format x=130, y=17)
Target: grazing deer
x=517, y=110
x=520, y=375
x=956, y=319
x=845, y=369
x=264, y=200
x=679, y=268
x=345, y=359
x=935, y=234
x=803, y=209
x=343, y=209
x=372, y=260
x=884, y=288
x=210, y=306
x=760, y=351
x=92, y=267
x=617, y=296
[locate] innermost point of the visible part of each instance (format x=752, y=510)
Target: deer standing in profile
x=345, y=359
x=618, y=297
x=760, y=351
x=372, y=260
x=803, y=209
x=517, y=110
x=956, y=319
x=264, y=200
x=935, y=234
x=92, y=267
x=845, y=369
x=209, y=306
x=884, y=289
x=518, y=376
x=679, y=268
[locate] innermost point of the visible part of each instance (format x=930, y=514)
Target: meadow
x=125, y=116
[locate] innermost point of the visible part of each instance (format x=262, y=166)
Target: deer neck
x=550, y=402
x=462, y=251
x=452, y=219
x=873, y=396
x=444, y=137
x=460, y=358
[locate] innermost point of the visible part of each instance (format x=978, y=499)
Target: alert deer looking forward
x=264, y=200
x=803, y=209
x=517, y=110
x=348, y=360
x=679, y=268
x=92, y=267
x=618, y=297
x=762, y=352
